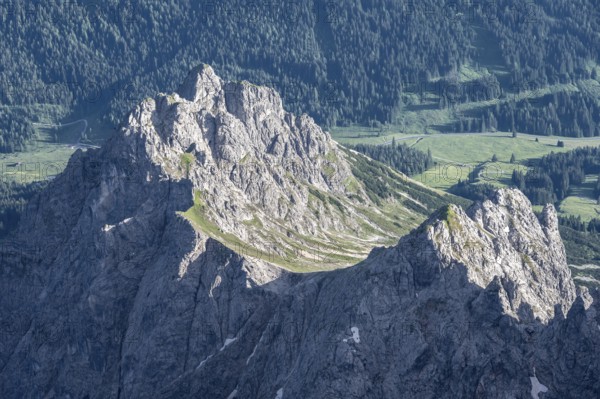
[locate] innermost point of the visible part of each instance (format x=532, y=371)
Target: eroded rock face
x=501, y=237
x=123, y=295
x=244, y=150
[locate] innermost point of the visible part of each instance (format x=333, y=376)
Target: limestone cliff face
x=124, y=281
x=502, y=238
x=241, y=148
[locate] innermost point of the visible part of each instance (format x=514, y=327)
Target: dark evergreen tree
x=401, y=157
x=551, y=178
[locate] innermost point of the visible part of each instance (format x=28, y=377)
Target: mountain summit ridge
x=422, y=306
x=144, y=283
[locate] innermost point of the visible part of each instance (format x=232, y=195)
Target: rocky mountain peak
x=249, y=174
x=502, y=240
x=167, y=267
x=246, y=157
x=227, y=122
x=201, y=85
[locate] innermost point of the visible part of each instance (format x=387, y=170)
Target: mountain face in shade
x=166, y=265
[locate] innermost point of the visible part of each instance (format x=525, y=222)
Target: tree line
x=474, y=192
x=342, y=62
x=572, y=114
x=16, y=131
x=401, y=157
x=13, y=199
x=575, y=223
x=550, y=180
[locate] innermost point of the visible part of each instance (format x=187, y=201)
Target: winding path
x=85, y=122
x=79, y=143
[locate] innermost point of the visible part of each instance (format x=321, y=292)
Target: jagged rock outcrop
x=503, y=239
x=130, y=286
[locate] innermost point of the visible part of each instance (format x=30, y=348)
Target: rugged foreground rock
x=130, y=286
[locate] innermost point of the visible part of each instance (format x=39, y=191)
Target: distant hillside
x=341, y=61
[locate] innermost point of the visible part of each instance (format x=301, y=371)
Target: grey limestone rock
x=113, y=289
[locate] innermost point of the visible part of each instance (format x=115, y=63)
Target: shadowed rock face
x=120, y=295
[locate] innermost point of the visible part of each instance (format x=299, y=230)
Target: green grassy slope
x=457, y=155
x=398, y=205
